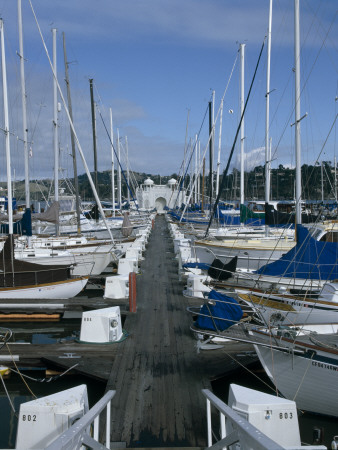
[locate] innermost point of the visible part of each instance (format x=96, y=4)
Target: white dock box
x=196, y=286
x=116, y=286
x=41, y=421
x=180, y=242
x=134, y=253
x=276, y=417
x=101, y=325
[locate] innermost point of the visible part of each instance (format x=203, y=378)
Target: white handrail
x=242, y=428
x=77, y=435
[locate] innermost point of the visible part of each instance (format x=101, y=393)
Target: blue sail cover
x=309, y=259
x=223, y=314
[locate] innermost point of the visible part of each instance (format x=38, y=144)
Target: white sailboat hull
x=59, y=290
x=288, y=310
x=310, y=382
x=87, y=262
x=251, y=255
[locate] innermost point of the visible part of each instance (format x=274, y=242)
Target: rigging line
x=321, y=26
x=122, y=171
x=328, y=180
x=192, y=152
x=49, y=379
x=321, y=151
x=5, y=338
x=305, y=83
x=8, y=396
x=98, y=202
x=301, y=381
x=234, y=143
x=246, y=368
x=213, y=127
x=97, y=107
x=13, y=360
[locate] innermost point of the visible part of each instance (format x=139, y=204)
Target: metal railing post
x=108, y=424
x=222, y=421
x=209, y=423
x=96, y=428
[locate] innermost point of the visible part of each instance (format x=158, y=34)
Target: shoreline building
x=159, y=196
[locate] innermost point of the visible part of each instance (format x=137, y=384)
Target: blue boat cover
x=221, y=315
x=22, y=227
x=309, y=259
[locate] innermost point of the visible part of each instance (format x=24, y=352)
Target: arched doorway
x=160, y=203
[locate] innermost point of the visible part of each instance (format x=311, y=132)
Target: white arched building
x=158, y=196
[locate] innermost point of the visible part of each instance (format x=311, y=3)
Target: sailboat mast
x=198, y=174
x=94, y=138
x=128, y=177
x=6, y=129
x=202, y=207
x=24, y=107
x=195, y=175
x=219, y=147
x=55, y=123
x=211, y=153
x=119, y=186
x=242, y=48
x=185, y=147
x=112, y=161
x=297, y=115
x=267, y=112
x=70, y=109
x=212, y=142
x=335, y=179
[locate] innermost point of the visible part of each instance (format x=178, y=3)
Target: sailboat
x=20, y=279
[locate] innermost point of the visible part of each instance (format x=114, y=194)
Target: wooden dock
x=157, y=372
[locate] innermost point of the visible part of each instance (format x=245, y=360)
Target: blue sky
x=152, y=61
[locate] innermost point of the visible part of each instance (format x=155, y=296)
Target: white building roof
x=148, y=182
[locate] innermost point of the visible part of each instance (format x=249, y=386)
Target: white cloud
x=252, y=159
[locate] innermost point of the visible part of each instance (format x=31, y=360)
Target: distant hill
x=282, y=184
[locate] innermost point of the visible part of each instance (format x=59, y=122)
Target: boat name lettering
x=286, y=415
x=324, y=366
x=29, y=418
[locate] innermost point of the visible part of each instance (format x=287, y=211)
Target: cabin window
x=330, y=236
